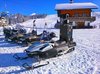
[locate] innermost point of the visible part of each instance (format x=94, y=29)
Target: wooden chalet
x=79, y=14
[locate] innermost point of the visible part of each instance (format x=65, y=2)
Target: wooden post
x=66, y=31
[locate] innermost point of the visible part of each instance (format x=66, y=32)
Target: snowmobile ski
x=19, y=58
x=28, y=67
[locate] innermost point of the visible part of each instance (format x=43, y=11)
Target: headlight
x=26, y=51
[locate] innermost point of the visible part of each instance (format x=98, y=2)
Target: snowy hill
x=97, y=22
x=19, y=18
x=40, y=23
x=51, y=20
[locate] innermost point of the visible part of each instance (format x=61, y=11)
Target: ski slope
x=51, y=20
x=83, y=60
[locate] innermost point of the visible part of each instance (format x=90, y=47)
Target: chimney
x=71, y=1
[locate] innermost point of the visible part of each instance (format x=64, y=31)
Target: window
x=63, y=16
x=76, y=15
x=84, y=14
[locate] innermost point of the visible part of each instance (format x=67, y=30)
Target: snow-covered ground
x=85, y=59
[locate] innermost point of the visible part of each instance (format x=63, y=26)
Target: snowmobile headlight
x=26, y=51
x=53, y=45
x=32, y=54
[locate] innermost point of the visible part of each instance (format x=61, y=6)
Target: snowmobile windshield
x=36, y=46
x=45, y=45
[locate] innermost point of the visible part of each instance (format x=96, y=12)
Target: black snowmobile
x=13, y=35
x=44, y=51
x=19, y=35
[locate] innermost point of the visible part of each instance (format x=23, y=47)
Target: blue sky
x=28, y=7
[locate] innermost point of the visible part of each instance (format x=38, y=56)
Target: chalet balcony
x=81, y=19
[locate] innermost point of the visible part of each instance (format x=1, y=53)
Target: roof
x=67, y=6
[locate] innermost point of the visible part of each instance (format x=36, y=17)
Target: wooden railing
x=81, y=19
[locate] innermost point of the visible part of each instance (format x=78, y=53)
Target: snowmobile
x=43, y=51
x=31, y=38
x=13, y=35
x=48, y=50
x=27, y=39
x=17, y=35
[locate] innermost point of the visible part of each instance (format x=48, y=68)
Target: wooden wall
x=76, y=12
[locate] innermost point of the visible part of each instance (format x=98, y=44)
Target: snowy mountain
x=33, y=14
x=19, y=18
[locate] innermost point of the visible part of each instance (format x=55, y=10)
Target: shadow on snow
x=4, y=43
x=7, y=60
x=17, y=71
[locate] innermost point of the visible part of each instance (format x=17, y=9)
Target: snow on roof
x=75, y=6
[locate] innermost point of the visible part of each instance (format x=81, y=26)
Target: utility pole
x=5, y=5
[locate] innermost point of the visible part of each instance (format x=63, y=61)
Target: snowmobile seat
x=22, y=31
x=44, y=46
x=34, y=32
